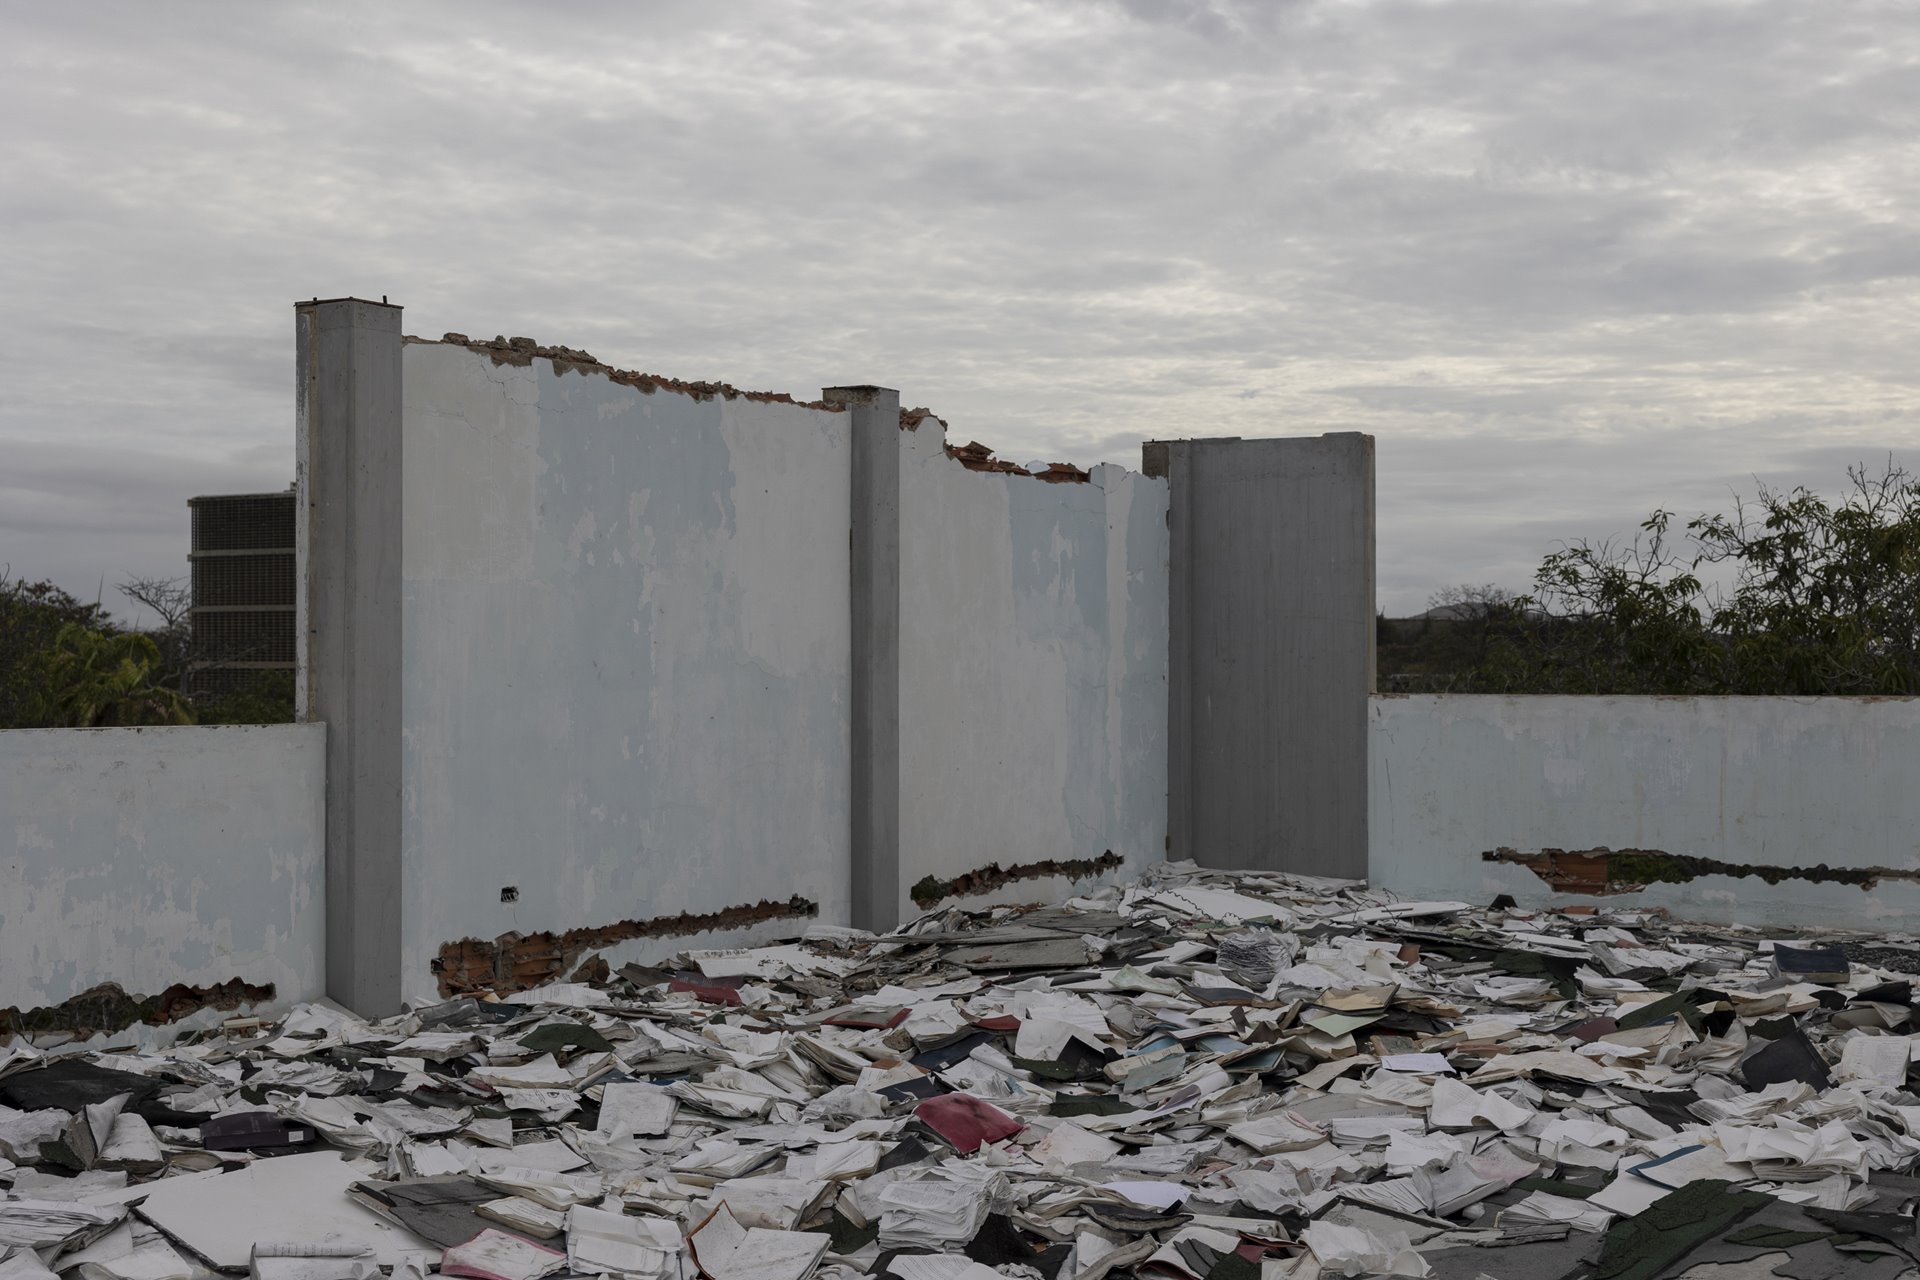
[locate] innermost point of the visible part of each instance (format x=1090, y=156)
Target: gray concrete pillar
x=347, y=463
x=875, y=549
x=1270, y=652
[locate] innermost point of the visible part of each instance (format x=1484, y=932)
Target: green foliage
x=265, y=699
x=68, y=664
x=170, y=600
x=92, y=678
x=1610, y=620
x=32, y=615
x=1449, y=645
x=1814, y=598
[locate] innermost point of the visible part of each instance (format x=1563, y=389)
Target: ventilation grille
x=245, y=522
x=243, y=589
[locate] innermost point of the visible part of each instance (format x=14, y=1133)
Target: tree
x=1815, y=598
x=93, y=678
x=266, y=697
x=170, y=600
x=1443, y=649
x=1826, y=599
x=32, y=615
x=1469, y=600
x=1617, y=619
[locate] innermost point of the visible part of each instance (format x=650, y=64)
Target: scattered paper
x=1147, y=1080
x=495, y=1255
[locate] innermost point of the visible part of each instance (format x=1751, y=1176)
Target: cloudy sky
x=1566, y=261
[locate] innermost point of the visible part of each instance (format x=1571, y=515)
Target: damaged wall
x=625, y=665
x=1769, y=811
x=1033, y=677
x=157, y=859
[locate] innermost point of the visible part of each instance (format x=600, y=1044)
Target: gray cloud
x=1567, y=262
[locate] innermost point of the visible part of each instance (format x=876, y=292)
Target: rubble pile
x=1201, y=1075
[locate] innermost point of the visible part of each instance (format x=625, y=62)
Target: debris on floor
x=1202, y=1076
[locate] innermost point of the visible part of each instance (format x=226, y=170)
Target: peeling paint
x=107, y=1008
x=516, y=962
x=931, y=889
x=1603, y=871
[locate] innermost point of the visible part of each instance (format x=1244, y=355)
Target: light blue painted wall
x=1775, y=781
x=1033, y=670
x=148, y=857
x=626, y=661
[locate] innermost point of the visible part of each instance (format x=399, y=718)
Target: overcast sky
x=1566, y=261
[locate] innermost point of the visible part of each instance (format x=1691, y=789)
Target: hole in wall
x=516, y=961
x=108, y=1008
x=510, y=894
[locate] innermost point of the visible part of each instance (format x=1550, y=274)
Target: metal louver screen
x=243, y=589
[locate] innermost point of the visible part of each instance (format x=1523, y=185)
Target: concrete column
x=875, y=548
x=347, y=460
x=1270, y=652
x=1157, y=459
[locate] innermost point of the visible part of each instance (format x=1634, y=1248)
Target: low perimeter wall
x=1762, y=811
x=181, y=864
